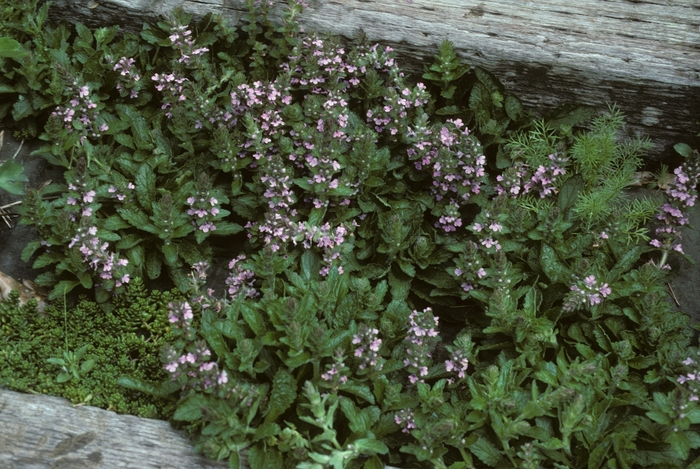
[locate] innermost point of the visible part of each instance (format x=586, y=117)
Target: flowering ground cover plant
x=397, y=294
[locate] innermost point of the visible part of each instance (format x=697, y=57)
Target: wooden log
x=38, y=432
x=642, y=54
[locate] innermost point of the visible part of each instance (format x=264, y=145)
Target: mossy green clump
x=123, y=340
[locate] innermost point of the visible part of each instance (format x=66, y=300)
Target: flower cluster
x=399, y=105
x=329, y=239
x=180, y=315
x=544, y=177
x=278, y=230
x=204, y=206
x=203, y=209
x=81, y=202
x=406, y=420
x=457, y=166
x=181, y=39
x=457, y=363
x=511, y=181
x=367, y=344
x=192, y=367
x=173, y=88
x=240, y=279
x=337, y=373
x=470, y=266
x=120, y=193
x=321, y=62
x=488, y=226
x=519, y=180
x=191, y=363
x=81, y=113
x=96, y=254
x=129, y=80
x=682, y=194
x=585, y=293
x=691, y=378
x=421, y=338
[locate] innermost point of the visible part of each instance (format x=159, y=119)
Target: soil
x=684, y=289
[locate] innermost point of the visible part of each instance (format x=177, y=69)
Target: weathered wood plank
x=642, y=54
x=38, y=432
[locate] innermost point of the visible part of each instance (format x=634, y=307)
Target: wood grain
x=40, y=432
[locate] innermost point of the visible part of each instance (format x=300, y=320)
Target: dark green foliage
x=398, y=299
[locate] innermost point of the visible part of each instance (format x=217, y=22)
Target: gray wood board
x=642, y=54
x=39, y=432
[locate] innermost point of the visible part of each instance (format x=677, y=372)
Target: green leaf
x=360, y=421
x=253, y=318
x=135, y=217
x=552, y=265
x=370, y=446
x=170, y=254
x=373, y=463
x=225, y=228
x=126, y=140
x=145, y=182
x=190, y=409
x=569, y=116
x=87, y=365
x=21, y=108
x=261, y=456
x=683, y=149
x=212, y=334
x=234, y=461
x=360, y=390
x=490, y=82
x=514, y=107
x=47, y=259
x=680, y=443
x=569, y=193
x=29, y=250
x=139, y=125
x=599, y=454
x=310, y=265
x=105, y=35
x=659, y=416
x=298, y=360
x=115, y=223
x=129, y=241
x=486, y=451
x=11, y=48
x=63, y=287
x=12, y=177
x=407, y=268
x=628, y=260
x=161, y=390
x=153, y=265
x=316, y=216
x=283, y=395
x=63, y=377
